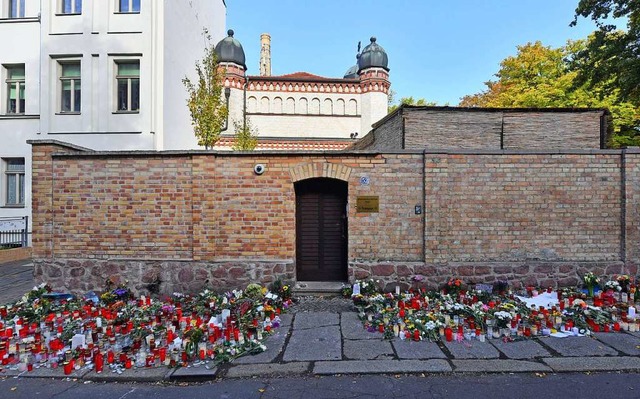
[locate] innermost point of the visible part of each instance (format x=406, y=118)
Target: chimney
x=265, y=54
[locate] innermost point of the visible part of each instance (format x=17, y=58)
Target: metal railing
x=14, y=232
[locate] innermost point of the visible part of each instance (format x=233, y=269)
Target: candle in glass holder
x=448, y=333
x=68, y=368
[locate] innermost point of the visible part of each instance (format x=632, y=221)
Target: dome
x=373, y=56
x=352, y=73
x=229, y=49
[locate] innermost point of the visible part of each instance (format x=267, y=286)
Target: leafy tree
x=207, y=107
x=539, y=76
x=612, y=57
x=246, y=136
x=412, y=101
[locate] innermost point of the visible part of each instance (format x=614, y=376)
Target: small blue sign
x=364, y=180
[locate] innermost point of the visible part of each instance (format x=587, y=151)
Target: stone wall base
x=165, y=277
x=158, y=277
x=517, y=274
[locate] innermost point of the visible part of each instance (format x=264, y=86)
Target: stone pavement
x=16, y=279
x=323, y=336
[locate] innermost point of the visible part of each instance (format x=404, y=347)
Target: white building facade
x=103, y=74
x=302, y=109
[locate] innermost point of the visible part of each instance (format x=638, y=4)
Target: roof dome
x=352, y=73
x=373, y=56
x=229, y=49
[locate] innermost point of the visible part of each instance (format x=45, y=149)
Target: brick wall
x=486, y=129
x=559, y=130
x=452, y=129
x=187, y=219
x=14, y=254
x=386, y=137
x=523, y=207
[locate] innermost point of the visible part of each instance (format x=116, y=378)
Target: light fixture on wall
x=227, y=94
x=354, y=135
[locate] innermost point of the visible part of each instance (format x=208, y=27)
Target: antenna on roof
x=359, y=44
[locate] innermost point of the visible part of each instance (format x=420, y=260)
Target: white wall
x=20, y=47
x=184, y=45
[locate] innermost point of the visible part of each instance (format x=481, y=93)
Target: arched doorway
x=321, y=230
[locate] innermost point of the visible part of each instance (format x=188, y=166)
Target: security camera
x=259, y=169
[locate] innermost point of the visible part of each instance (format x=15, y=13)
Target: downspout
x=244, y=107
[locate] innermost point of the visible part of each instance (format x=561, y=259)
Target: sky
x=438, y=50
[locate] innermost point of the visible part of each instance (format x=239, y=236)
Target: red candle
x=416, y=335
x=616, y=326
x=127, y=363
x=110, y=357
x=99, y=360
x=448, y=333
x=68, y=367
x=163, y=354
x=381, y=327
x=203, y=353
x=401, y=313
x=236, y=334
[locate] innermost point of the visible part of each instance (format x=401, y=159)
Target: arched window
x=264, y=105
x=290, y=106
x=315, y=106
x=304, y=106
x=352, y=107
x=277, y=105
x=327, y=107
x=339, y=107
x=252, y=104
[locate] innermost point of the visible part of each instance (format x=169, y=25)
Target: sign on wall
x=368, y=204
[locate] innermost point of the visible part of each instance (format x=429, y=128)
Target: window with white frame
x=16, y=8
x=15, y=89
x=128, y=86
x=70, y=93
x=71, y=7
x=132, y=6
x=14, y=176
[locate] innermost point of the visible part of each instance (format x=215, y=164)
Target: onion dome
x=229, y=49
x=373, y=56
x=352, y=73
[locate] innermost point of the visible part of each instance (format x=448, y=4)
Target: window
x=15, y=89
x=16, y=8
x=70, y=87
x=128, y=82
x=129, y=6
x=14, y=173
x=71, y=7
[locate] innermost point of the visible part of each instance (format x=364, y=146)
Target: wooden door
x=321, y=230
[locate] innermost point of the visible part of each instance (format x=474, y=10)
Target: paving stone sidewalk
x=323, y=336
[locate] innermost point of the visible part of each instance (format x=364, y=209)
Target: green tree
x=205, y=102
x=612, y=57
x=412, y=101
x=246, y=136
x=539, y=76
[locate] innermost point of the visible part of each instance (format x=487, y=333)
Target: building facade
x=301, y=109
x=103, y=74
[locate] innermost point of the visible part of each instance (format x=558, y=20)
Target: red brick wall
x=500, y=211
x=127, y=207
x=523, y=206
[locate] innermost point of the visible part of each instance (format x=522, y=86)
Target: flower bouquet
x=590, y=282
